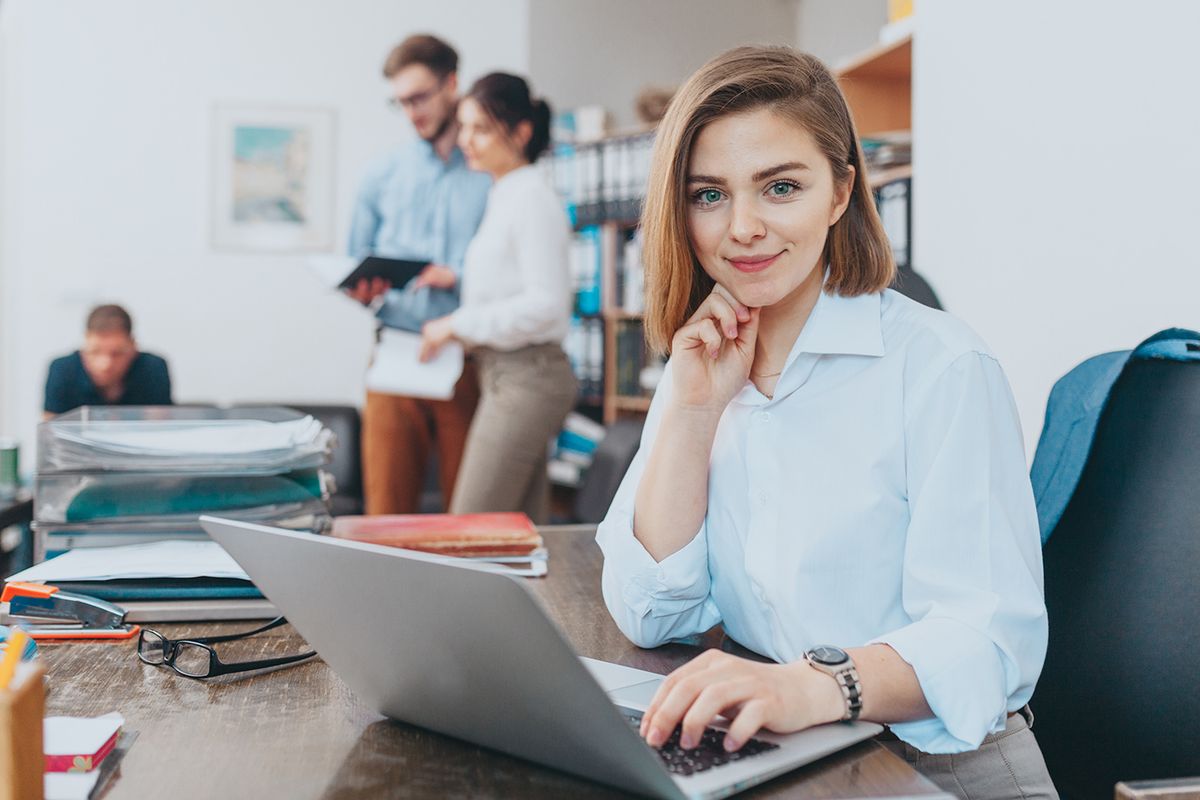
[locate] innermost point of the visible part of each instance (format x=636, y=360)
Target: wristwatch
x=837, y=662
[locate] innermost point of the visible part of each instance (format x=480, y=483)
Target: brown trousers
x=397, y=436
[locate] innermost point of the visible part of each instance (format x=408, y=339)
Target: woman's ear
x=841, y=195
x=522, y=134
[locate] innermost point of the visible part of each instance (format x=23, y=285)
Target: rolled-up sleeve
x=972, y=573
x=653, y=602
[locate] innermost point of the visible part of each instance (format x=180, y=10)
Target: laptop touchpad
x=638, y=696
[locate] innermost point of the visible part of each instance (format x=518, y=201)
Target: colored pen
x=12, y=655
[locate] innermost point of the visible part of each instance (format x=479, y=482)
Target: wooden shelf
x=885, y=175
x=625, y=403
x=620, y=315
x=878, y=87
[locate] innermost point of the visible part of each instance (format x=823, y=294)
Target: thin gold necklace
x=766, y=374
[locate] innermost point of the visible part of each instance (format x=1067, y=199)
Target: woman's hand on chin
x=712, y=353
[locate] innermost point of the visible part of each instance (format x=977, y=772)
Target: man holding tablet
x=419, y=203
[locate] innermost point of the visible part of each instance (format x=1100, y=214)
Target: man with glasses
x=420, y=203
x=108, y=370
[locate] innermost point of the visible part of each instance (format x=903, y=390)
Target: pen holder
x=22, y=761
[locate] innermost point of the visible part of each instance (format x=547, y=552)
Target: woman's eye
x=708, y=197
x=782, y=189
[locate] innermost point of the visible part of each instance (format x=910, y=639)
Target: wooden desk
x=300, y=733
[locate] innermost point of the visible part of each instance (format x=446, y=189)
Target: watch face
x=825, y=654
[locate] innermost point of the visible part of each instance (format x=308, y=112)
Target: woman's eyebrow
x=763, y=174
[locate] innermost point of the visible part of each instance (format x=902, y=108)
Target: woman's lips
x=753, y=264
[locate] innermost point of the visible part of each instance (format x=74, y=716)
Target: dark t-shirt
x=69, y=386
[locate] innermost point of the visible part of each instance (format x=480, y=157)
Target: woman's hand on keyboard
x=782, y=698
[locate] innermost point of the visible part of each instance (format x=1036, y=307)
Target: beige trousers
x=525, y=395
x=1007, y=766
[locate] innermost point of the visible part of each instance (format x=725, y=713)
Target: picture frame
x=273, y=187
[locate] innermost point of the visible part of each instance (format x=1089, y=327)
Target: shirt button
x=766, y=416
x=763, y=497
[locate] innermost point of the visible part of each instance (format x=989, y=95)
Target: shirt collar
x=427, y=151
x=841, y=325
x=836, y=325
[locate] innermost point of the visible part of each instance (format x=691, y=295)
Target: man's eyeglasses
x=415, y=100
x=194, y=658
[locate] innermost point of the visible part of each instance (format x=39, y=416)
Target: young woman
x=830, y=470
x=516, y=304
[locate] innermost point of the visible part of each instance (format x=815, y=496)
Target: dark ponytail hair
x=506, y=99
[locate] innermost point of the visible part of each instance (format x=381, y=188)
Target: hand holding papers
x=397, y=368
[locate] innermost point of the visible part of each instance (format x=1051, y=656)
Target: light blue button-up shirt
x=879, y=496
x=414, y=205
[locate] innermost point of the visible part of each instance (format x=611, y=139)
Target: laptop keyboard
x=704, y=756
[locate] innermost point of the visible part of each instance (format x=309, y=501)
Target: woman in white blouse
x=516, y=304
x=830, y=470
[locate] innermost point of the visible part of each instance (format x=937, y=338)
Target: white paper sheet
x=166, y=559
x=78, y=736
x=396, y=368
x=332, y=270
x=209, y=437
x=69, y=785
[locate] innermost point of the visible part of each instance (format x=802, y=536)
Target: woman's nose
x=745, y=224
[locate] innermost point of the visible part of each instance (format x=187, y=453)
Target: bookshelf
x=877, y=84
x=602, y=183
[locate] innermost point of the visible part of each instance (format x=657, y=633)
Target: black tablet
x=397, y=270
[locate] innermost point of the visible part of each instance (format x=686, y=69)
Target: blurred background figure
x=108, y=370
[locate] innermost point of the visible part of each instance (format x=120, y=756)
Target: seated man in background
x=109, y=370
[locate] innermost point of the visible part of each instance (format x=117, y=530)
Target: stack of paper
x=123, y=475
x=157, y=581
x=182, y=439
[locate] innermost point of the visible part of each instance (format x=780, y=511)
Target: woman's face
x=761, y=199
x=487, y=145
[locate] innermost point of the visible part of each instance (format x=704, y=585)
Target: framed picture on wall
x=273, y=179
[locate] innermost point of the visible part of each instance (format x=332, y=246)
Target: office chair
x=907, y=282
x=1118, y=699
x=609, y=464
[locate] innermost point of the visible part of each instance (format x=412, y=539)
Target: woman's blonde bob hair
x=797, y=86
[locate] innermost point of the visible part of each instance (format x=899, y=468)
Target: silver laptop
x=467, y=650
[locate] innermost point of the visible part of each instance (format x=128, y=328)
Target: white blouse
x=880, y=496
x=516, y=285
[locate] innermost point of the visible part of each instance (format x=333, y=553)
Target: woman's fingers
x=741, y=311
x=702, y=333
x=674, y=705
x=679, y=689
x=725, y=310
x=708, y=704
x=746, y=723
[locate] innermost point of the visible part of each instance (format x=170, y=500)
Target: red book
x=474, y=535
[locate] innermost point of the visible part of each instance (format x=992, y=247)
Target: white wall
x=585, y=52
x=1056, y=178
x=107, y=166
x=835, y=30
